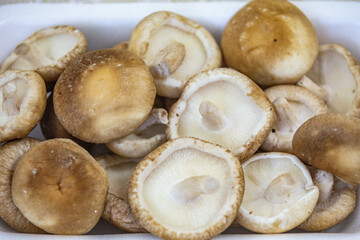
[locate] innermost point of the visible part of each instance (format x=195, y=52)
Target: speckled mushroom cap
x=186, y=189
x=175, y=48
x=272, y=42
x=293, y=105
x=225, y=107
x=47, y=52
x=279, y=193
x=22, y=103
x=335, y=77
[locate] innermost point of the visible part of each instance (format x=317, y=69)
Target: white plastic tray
x=109, y=23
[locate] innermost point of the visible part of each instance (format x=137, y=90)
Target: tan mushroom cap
x=225, y=107
x=187, y=189
x=336, y=201
x=175, y=49
x=330, y=142
x=122, y=45
x=335, y=77
x=22, y=103
x=293, y=106
x=104, y=95
x=47, y=52
x=279, y=193
x=117, y=210
x=59, y=187
x=272, y=42
x=146, y=138
x=10, y=153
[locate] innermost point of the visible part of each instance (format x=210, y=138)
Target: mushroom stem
x=285, y=113
x=191, y=188
x=313, y=87
x=31, y=54
x=279, y=189
x=157, y=116
x=212, y=117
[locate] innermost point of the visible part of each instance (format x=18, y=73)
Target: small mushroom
x=175, y=49
x=22, y=103
x=10, y=153
x=336, y=201
x=225, y=107
x=59, y=187
x=330, y=142
x=122, y=45
x=271, y=42
x=335, y=77
x=47, y=52
x=104, y=95
x=186, y=189
x=293, y=106
x=117, y=209
x=279, y=193
x=146, y=138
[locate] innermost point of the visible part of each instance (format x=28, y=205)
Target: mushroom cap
x=336, y=201
x=104, y=95
x=279, y=193
x=186, y=189
x=330, y=142
x=146, y=138
x=22, y=103
x=337, y=72
x=47, y=52
x=10, y=153
x=293, y=106
x=59, y=187
x=225, y=107
x=122, y=45
x=188, y=47
x=272, y=42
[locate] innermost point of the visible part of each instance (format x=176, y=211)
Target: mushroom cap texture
x=330, y=142
x=59, y=187
x=104, y=95
x=272, y=42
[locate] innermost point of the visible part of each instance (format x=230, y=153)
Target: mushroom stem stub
x=279, y=189
x=168, y=60
x=212, y=117
x=313, y=87
x=285, y=114
x=193, y=187
x=32, y=55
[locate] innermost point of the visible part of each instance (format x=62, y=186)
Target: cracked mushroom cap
x=10, y=153
x=175, y=48
x=335, y=77
x=47, y=52
x=22, y=103
x=279, y=193
x=145, y=139
x=293, y=106
x=225, y=107
x=117, y=210
x=59, y=187
x=330, y=142
x=271, y=42
x=336, y=201
x=186, y=189
x=104, y=95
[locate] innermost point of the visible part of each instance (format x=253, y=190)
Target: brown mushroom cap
x=10, y=153
x=122, y=45
x=47, y=52
x=293, y=106
x=22, y=103
x=330, y=142
x=59, y=187
x=104, y=95
x=272, y=42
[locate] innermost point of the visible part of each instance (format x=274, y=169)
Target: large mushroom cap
x=330, y=142
x=175, y=49
x=279, y=193
x=186, y=189
x=104, y=95
x=48, y=51
x=272, y=42
x=225, y=107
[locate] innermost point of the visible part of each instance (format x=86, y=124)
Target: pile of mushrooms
x=153, y=136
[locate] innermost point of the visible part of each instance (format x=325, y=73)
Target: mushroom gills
x=11, y=97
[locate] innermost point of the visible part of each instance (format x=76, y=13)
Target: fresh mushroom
x=122, y=45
